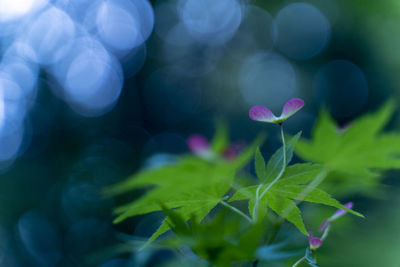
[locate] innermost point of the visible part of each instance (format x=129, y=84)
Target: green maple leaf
x=294, y=186
x=297, y=184
x=357, y=155
x=192, y=186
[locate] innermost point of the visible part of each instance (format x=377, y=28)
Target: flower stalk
x=263, y=114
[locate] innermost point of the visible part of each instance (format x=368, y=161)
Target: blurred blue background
x=93, y=90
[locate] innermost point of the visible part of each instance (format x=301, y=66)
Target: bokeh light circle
x=301, y=31
x=254, y=33
x=210, y=21
x=15, y=9
x=121, y=25
x=51, y=36
x=91, y=78
x=116, y=26
x=267, y=79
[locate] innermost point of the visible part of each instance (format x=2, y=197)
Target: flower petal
x=324, y=225
x=291, y=107
x=198, y=144
x=341, y=212
x=261, y=113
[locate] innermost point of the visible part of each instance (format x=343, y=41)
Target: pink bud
x=314, y=242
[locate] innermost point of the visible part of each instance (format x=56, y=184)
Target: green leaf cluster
x=221, y=241
x=355, y=156
x=298, y=183
x=193, y=186
x=189, y=189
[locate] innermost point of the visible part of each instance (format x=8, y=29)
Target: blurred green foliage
x=357, y=155
x=194, y=185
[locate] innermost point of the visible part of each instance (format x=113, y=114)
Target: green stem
x=299, y=261
x=258, y=196
x=325, y=233
x=283, y=165
x=236, y=210
x=255, y=209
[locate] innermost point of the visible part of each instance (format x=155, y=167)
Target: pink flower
x=261, y=113
x=200, y=146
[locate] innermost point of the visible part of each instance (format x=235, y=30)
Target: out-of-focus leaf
x=192, y=186
x=221, y=139
x=221, y=240
x=356, y=154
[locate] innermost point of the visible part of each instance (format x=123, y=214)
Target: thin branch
x=299, y=261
